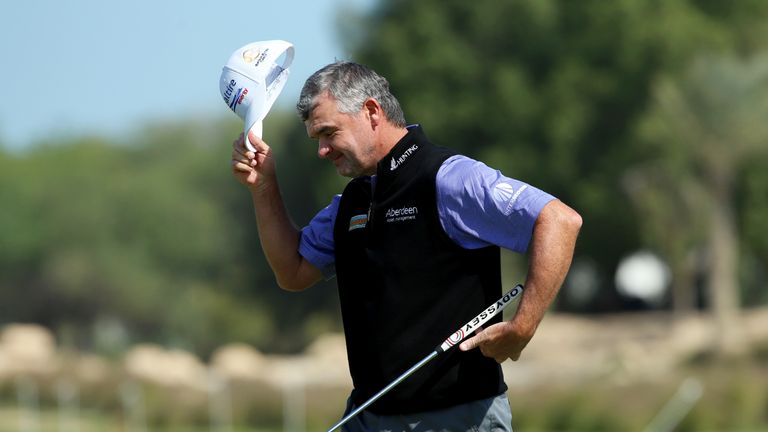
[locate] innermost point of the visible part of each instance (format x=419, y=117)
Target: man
x=414, y=244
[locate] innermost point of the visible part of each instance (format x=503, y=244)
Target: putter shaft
x=381, y=393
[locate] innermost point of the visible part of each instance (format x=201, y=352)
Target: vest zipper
x=370, y=205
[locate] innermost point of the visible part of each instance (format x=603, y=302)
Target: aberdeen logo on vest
x=401, y=214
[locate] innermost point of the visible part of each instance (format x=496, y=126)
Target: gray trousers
x=487, y=415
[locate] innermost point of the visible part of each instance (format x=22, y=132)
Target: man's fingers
x=468, y=344
x=241, y=154
x=243, y=158
x=244, y=172
x=242, y=166
x=239, y=148
x=474, y=341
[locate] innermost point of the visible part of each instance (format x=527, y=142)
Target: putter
x=252, y=79
x=489, y=312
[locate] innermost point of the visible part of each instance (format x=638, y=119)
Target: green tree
x=550, y=91
x=711, y=121
x=96, y=231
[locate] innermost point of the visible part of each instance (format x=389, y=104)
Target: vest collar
x=403, y=151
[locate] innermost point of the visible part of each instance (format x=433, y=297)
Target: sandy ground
x=622, y=347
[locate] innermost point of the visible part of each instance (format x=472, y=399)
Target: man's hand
x=253, y=170
x=500, y=341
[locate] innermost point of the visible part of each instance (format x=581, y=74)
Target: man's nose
x=323, y=148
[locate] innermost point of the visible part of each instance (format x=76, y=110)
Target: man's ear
x=373, y=111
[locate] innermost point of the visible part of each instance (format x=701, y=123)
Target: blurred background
x=133, y=292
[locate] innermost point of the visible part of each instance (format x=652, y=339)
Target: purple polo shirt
x=478, y=207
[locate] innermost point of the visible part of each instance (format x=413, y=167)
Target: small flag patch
x=358, y=221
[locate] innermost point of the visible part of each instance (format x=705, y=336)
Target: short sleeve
x=316, y=244
x=479, y=206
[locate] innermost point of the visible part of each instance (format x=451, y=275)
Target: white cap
x=251, y=81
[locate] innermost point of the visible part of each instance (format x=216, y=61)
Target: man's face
x=347, y=140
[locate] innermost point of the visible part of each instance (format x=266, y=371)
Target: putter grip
x=489, y=312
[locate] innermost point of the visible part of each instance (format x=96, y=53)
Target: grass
x=14, y=419
x=735, y=398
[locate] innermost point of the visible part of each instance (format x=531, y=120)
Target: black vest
x=405, y=286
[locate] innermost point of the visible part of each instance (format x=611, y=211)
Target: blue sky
x=106, y=67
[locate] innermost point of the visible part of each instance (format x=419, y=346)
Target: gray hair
x=350, y=84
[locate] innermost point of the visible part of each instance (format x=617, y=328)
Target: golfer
x=413, y=242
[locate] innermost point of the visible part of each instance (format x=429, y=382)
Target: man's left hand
x=500, y=341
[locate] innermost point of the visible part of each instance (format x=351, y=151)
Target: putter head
x=252, y=79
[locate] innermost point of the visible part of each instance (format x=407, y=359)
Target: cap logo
x=255, y=55
x=228, y=92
